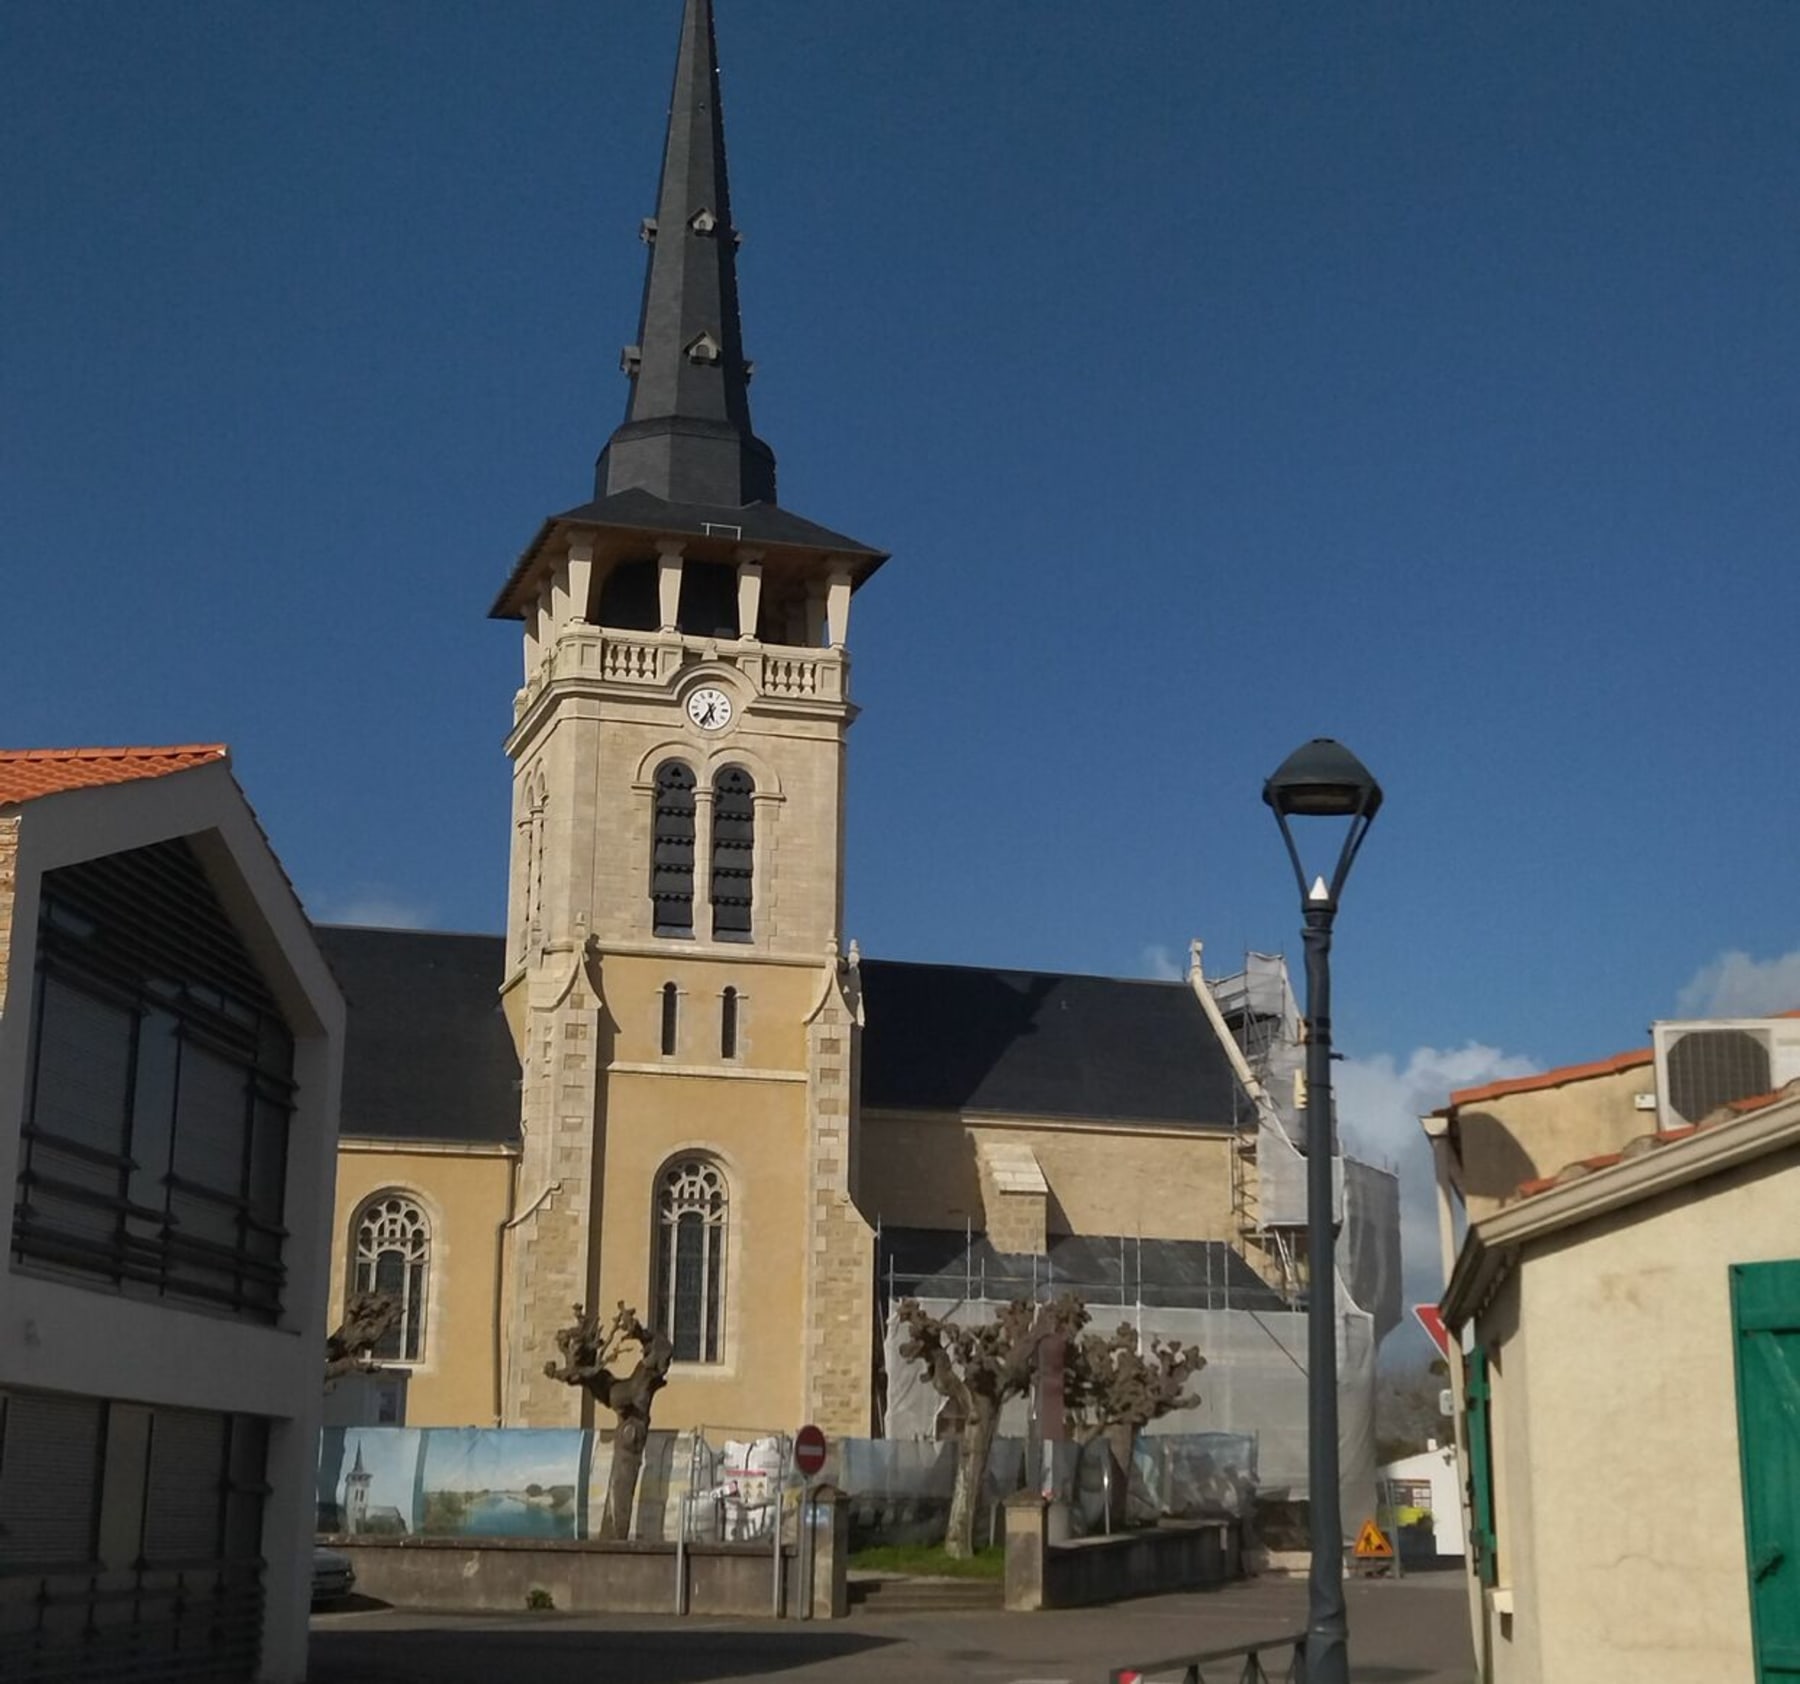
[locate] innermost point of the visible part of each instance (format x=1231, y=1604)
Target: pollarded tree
x=977, y=1368
x=369, y=1317
x=591, y=1353
x=1113, y=1387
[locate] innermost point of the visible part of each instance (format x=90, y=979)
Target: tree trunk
x=971, y=1473
x=621, y=1486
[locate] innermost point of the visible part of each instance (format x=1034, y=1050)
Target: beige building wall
x=1519, y=1137
x=755, y=1131
x=1620, y=1519
x=466, y=1192
x=921, y=1170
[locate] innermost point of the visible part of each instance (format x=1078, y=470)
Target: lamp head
x=1322, y=779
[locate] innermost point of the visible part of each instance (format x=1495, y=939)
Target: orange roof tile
x=30, y=772
x=1554, y=1078
x=1605, y=1160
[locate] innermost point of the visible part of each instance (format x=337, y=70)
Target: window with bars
x=133, y=1539
x=672, y=852
x=155, y=1141
x=733, y=853
x=393, y=1257
x=691, y=1211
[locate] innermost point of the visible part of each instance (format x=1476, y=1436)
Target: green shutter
x=1481, y=1468
x=1765, y=1301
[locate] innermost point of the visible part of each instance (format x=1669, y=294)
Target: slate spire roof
x=686, y=437
x=685, y=461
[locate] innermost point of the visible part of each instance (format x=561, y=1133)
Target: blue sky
x=1220, y=375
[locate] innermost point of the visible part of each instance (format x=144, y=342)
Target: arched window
x=672, y=851
x=689, y=1290
x=728, y=1023
x=733, y=853
x=671, y=1018
x=393, y=1256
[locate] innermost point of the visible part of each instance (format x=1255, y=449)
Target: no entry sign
x=809, y=1450
x=1433, y=1323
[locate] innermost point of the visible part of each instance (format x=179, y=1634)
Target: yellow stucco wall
x=749, y=1115
x=773, y=1000
x=1518, y=1137
x=465, y=1194
x=1620, y=1513
x=920, y=1170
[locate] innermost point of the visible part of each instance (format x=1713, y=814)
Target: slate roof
x=639, y=511
x=26, y=773
x=1107, y=1269
x=962, y=1038
x=427, y=1056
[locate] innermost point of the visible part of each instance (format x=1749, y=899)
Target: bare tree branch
x=592, y=1352
x=369, y=1317
x=977, y=1367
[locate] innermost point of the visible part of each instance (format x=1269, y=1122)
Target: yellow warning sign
x=1372, y=1544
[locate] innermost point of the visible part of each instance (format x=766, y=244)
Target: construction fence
x=734, y=1485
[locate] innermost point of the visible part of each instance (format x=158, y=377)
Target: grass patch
x=930, y=1561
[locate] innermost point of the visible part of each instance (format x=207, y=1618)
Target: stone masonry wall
x=552, y=1246
x=840, y=1292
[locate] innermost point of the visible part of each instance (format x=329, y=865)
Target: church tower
x=686, y=1020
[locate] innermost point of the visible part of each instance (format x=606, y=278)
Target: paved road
x=1411, y=1632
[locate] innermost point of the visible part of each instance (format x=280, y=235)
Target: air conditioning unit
x=1704, y=1064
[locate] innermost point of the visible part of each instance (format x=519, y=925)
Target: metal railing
x=1241, y=1663
x=206, y=1617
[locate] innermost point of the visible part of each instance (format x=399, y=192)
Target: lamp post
x=1322, y=779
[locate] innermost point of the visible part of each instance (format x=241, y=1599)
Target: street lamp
x=1322, y=779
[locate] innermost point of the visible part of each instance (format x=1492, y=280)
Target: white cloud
x=1735, y=985
x=374, y=908
x=1161, y=964
x=1380, y=1101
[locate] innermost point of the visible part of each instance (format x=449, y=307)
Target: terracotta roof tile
x=1645, y=1144
x=28, y=773
x=1553, y=1078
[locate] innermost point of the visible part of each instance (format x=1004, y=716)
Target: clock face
x=710, y=709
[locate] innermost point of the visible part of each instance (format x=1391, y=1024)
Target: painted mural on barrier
x=504, y=1483
x=451, y=1482
x=369, y=1481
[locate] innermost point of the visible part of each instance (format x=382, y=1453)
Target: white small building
x=170, y=1056
x=1626, y=1346
x=1429, y=1481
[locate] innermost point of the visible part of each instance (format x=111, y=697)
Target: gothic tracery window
x=733, y=853
x=691, y=1206
x=672, y=852
x=393, y=1256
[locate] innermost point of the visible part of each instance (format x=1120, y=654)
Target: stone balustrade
x=654, y=658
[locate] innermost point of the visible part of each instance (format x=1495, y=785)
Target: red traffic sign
x=1432, y=1321
x=809, y=1450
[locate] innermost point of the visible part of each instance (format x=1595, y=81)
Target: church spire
x=686, y=437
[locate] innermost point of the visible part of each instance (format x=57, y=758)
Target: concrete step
x=906, y=1595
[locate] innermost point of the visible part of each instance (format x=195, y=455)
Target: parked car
x=333, y=1575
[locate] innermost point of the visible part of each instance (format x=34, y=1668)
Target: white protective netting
x=1253, y=1385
